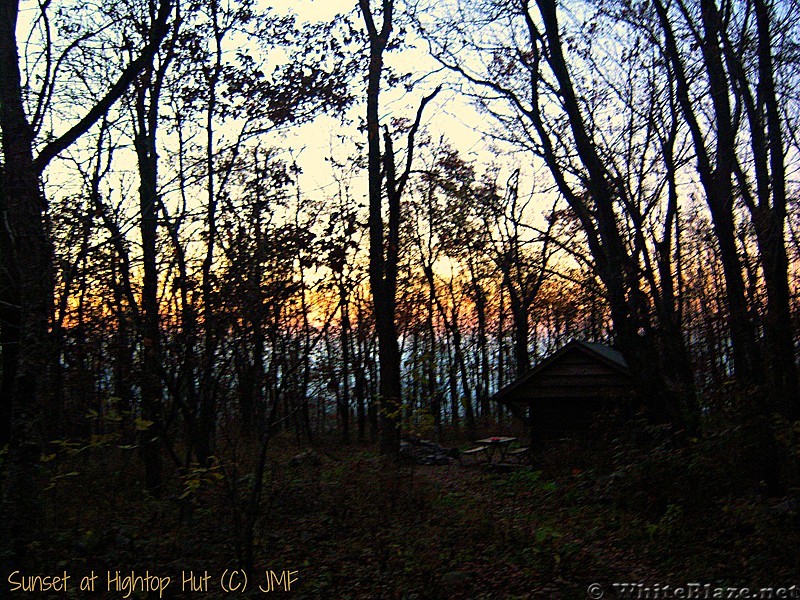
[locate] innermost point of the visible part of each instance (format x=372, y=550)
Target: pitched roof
x=611, y=355
x=601, y=352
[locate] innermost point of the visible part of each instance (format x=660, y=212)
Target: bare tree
x=26, y=254
x=552, y=114
x=384, y=245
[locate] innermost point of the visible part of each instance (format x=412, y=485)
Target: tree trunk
x=717, y=179
x=382, y=267
x=344, y=405
x=150, y=378
x=25, y=300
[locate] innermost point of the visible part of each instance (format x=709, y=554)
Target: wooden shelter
x=562, y=394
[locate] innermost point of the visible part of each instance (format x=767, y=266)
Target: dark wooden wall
x=564, y=397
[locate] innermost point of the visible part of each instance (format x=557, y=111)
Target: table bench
x=519, y=454
x=472, y=452
x=496, y=443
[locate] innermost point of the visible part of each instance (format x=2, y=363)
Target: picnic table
x=496, y=443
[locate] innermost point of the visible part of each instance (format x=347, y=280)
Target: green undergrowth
x=353, y=525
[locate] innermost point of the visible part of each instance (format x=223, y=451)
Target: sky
x=450, y=116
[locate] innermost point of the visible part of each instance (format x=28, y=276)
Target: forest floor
x=346, y=524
